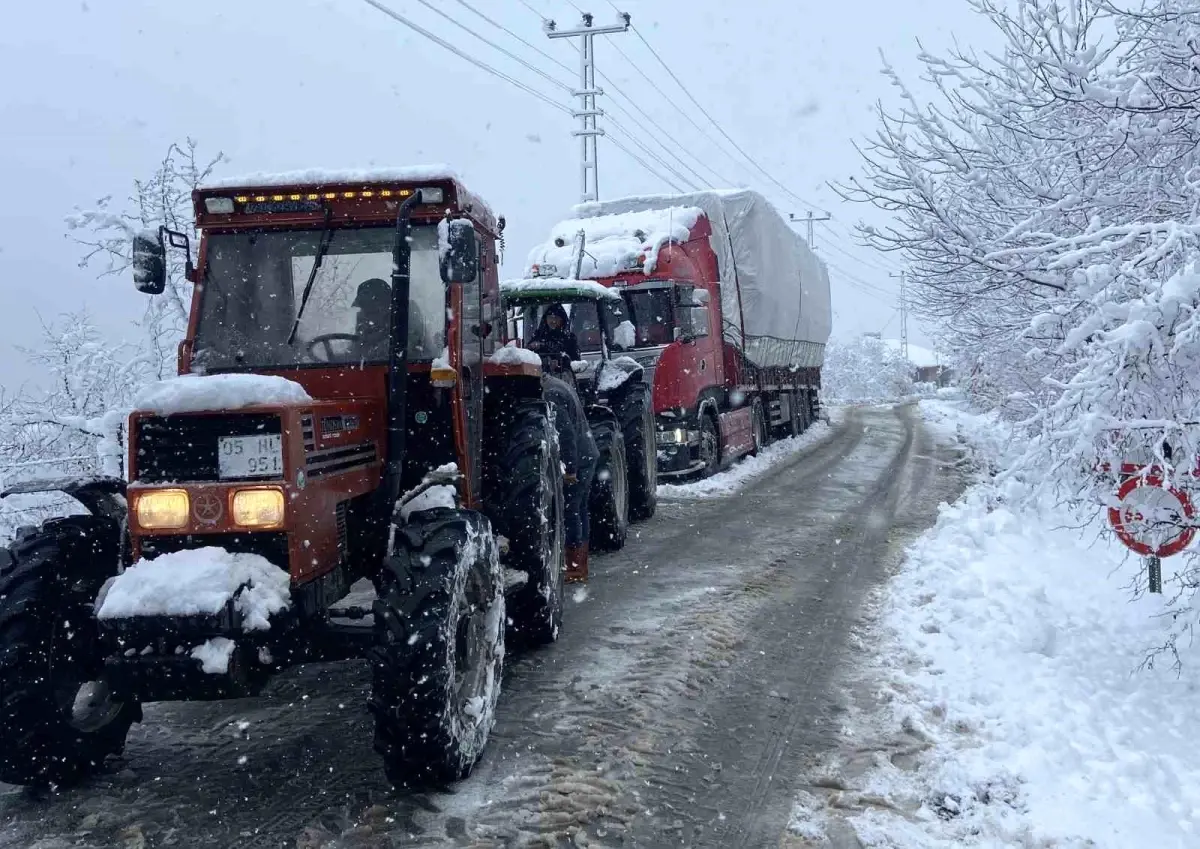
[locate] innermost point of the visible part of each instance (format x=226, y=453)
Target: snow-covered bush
x=1047, y=203
x=72, y=423
x=864, y=370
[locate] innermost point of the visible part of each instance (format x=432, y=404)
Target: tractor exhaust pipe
x=397, y=378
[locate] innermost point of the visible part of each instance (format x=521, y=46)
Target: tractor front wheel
x=58, y=720
x=439, y=647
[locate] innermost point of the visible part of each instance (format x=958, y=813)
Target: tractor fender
x=101, y=496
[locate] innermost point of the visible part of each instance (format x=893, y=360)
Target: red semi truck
x=724, y=305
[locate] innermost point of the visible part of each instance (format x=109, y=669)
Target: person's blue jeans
x=577, y=525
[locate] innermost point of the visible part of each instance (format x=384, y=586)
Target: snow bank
x=1012, y=646
x=731, y=480
x=614, y=242
x=558, y=287
x=195, y=393
x=199, y=582
x=511, y=355
x=324, y=176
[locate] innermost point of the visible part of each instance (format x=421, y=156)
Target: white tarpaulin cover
x=769, y=276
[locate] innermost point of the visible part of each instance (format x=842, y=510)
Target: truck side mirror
x=458, y=250
x=149, y=263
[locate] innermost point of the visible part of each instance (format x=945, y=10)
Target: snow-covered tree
x=1046, y=202
x=864, y=369
x=163, y=199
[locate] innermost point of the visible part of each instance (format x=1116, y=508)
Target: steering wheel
x=327, y=339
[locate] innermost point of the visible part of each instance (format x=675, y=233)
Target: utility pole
x=587, y=94
x=903, y=313
x=810, y=220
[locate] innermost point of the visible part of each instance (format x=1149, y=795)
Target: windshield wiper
x=322, y=248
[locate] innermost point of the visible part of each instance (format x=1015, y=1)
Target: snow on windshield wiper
x=322, y=247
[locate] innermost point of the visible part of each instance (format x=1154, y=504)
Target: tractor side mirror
x=458, y=250
x=149, y=263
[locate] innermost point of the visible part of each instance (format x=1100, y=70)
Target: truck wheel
x=804, y=411
x=636, y=414
x=439, y=648
x=762, y=433
x=710, y=445
x=530, y=515
x=608, y=505
x=58, y=720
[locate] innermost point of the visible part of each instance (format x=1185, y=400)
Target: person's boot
x=577, y=564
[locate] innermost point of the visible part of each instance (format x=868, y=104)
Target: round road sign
x=1152, y=519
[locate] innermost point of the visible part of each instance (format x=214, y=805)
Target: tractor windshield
x=254, y=282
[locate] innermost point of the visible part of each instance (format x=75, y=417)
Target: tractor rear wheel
x=439, y=647
x=58, y=720
x=529, y=513
x=608, y=505
x=636, y=415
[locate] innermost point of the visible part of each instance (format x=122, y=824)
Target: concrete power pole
x=810, y=220
x=903, y=313
x=587, y=94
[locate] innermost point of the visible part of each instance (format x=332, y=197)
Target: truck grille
x=183, y=448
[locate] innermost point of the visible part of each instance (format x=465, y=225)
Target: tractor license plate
x=250, y=456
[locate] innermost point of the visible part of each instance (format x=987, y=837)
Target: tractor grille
x=174, y=449
x=271, y=545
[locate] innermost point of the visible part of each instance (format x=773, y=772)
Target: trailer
x=730, y=310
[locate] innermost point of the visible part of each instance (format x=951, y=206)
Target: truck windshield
x=650, y=310
x=253, y=285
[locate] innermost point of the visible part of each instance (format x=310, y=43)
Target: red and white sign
x=1152, y=519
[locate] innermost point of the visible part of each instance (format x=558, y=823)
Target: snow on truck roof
x=615, y=242
x=774, y=289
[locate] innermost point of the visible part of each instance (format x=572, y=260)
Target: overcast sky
x=96, y=91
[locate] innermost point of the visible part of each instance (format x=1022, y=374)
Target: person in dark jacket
x=554, y=335
x=578, y=453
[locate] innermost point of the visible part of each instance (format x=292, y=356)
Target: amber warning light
x=255, y=204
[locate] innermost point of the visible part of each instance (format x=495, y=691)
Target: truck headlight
x=162, y=509
x=257, y=508
x=673, y=436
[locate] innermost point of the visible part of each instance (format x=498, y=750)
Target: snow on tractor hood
x=193, y=393
x=614, y=242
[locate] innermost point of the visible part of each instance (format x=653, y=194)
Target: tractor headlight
x=257, y=508
x=162, y=509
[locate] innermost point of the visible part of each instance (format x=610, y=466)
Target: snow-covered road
x=693, y=683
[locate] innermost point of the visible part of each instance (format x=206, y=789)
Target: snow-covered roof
x=330, y=176
x=614, y=242
x=559, y=288
x=917, y=355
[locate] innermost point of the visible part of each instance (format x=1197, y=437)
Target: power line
x=481, y=65
x=503, y=76
x=431, y=7
x=633, y=138
x=642, y=162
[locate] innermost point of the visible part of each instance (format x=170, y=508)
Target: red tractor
x=337, y=419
